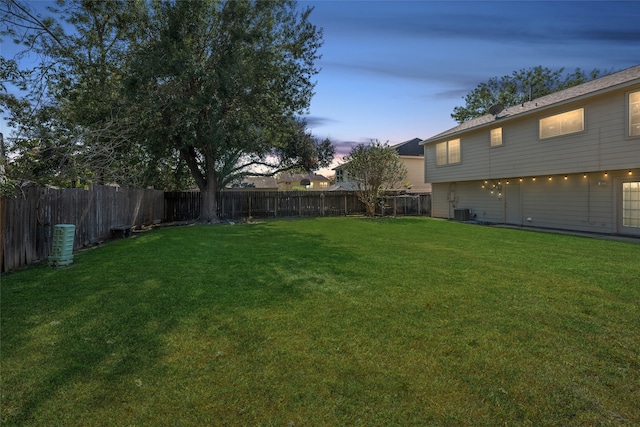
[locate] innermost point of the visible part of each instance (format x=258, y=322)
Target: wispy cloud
x=315, y=121
x=399, y=67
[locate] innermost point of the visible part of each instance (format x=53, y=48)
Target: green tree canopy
x=375, y=168
x=142, y=87
x=521, y=86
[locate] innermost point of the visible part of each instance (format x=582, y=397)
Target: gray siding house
x=569, y=160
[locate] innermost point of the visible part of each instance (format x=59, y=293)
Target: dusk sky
x=394, y=70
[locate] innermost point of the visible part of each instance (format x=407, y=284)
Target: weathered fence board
x=238, y=204
x=28, y=219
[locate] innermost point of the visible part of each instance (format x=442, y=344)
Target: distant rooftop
x=300, y=176
x=409, y=148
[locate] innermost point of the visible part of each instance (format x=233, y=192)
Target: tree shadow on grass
x=86, y=339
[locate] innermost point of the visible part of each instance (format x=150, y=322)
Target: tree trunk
x=207, y=184
x=371, y=209
x=209, y=204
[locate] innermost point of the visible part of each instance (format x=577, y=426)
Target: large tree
x=219, y=86
x=223, y=84
x=375, y=168
x=521, y=86
x=67, y=115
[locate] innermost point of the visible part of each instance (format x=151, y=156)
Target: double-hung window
x=448, y=152
x=634, y=113
x=496, y=137
x=562, y=124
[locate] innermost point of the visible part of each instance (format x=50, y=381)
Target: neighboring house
x=411, y=154
x=569, y=160
x=255, y=183
x=298, y=181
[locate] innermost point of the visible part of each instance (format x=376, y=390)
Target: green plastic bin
x=62, y=245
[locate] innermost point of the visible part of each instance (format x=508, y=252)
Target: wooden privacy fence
x=27, y=221
x=238, y=204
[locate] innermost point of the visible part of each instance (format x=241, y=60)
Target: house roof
x=300, y=176
x=342, y=186
x=256, y=182
x=603, y=84
x=409, y=148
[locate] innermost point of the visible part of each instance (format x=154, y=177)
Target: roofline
x=611, y=88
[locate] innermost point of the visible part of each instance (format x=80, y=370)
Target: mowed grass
x=327, y=322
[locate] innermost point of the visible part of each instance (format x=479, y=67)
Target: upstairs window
x=562, y=124
x=441, y=153
x=496, y=137
x=448, y=152
x=634, y=114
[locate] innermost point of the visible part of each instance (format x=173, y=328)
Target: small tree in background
x=374, y=168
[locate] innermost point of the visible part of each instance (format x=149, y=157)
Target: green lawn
x=327, y=322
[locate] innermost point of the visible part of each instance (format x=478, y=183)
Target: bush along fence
x=27, y=221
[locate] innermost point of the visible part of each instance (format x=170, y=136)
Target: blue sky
x=394, y=70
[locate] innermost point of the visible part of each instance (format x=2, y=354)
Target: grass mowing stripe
x=331, y=321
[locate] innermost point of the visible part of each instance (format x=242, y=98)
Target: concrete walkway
x=602, y=236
